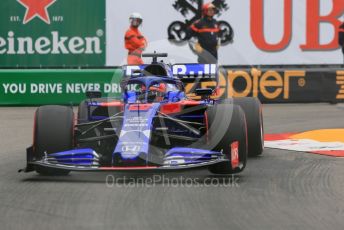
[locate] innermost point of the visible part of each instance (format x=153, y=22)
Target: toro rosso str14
x=154, y=127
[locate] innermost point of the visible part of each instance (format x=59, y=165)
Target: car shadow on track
x=202, y=178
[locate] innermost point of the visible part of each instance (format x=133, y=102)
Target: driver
x=156, y=92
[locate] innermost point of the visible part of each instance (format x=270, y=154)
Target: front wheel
x=255, y=129
x=53, y=132
x=227, y=134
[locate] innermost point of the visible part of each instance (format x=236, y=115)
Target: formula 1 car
x=154, y=127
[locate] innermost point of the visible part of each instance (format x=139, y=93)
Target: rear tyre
x=227, y=125
x=53, y=132
x=255, y=129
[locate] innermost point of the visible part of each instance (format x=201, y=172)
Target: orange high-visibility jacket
x=135, y=42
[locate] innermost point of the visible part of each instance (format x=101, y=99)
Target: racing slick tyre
x=227, y=133
x=254, y=118
x=53, y=132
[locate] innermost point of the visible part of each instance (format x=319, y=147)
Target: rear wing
x=187, y=73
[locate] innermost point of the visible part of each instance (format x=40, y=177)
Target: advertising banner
x=52, y=33
x=40, y=87
x=254, y=32
x=65, y=33
x=279, y=85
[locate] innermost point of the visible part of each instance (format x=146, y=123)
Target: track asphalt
x=279, y=190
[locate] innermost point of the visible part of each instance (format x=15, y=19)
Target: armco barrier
x=270, y=85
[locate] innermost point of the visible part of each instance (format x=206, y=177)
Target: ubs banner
x=35, y=33
x=255, y=32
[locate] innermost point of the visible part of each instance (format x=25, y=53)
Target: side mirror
x=137, y=72
x=207, y=92
x=93, y=94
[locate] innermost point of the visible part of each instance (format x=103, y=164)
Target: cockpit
x=148, y=90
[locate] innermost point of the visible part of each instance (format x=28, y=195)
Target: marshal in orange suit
x=135, y=42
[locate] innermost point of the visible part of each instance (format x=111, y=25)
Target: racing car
x=155, y=126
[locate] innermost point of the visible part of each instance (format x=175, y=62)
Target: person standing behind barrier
x=207, y=32
x=341, y=37
x=135, y=42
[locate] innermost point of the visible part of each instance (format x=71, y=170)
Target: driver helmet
x=159, y=90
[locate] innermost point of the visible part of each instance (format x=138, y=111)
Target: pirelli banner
x=39, y=87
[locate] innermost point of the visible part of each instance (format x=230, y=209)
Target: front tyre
x=227, y=133
x=255, y=129
x=53, y=132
